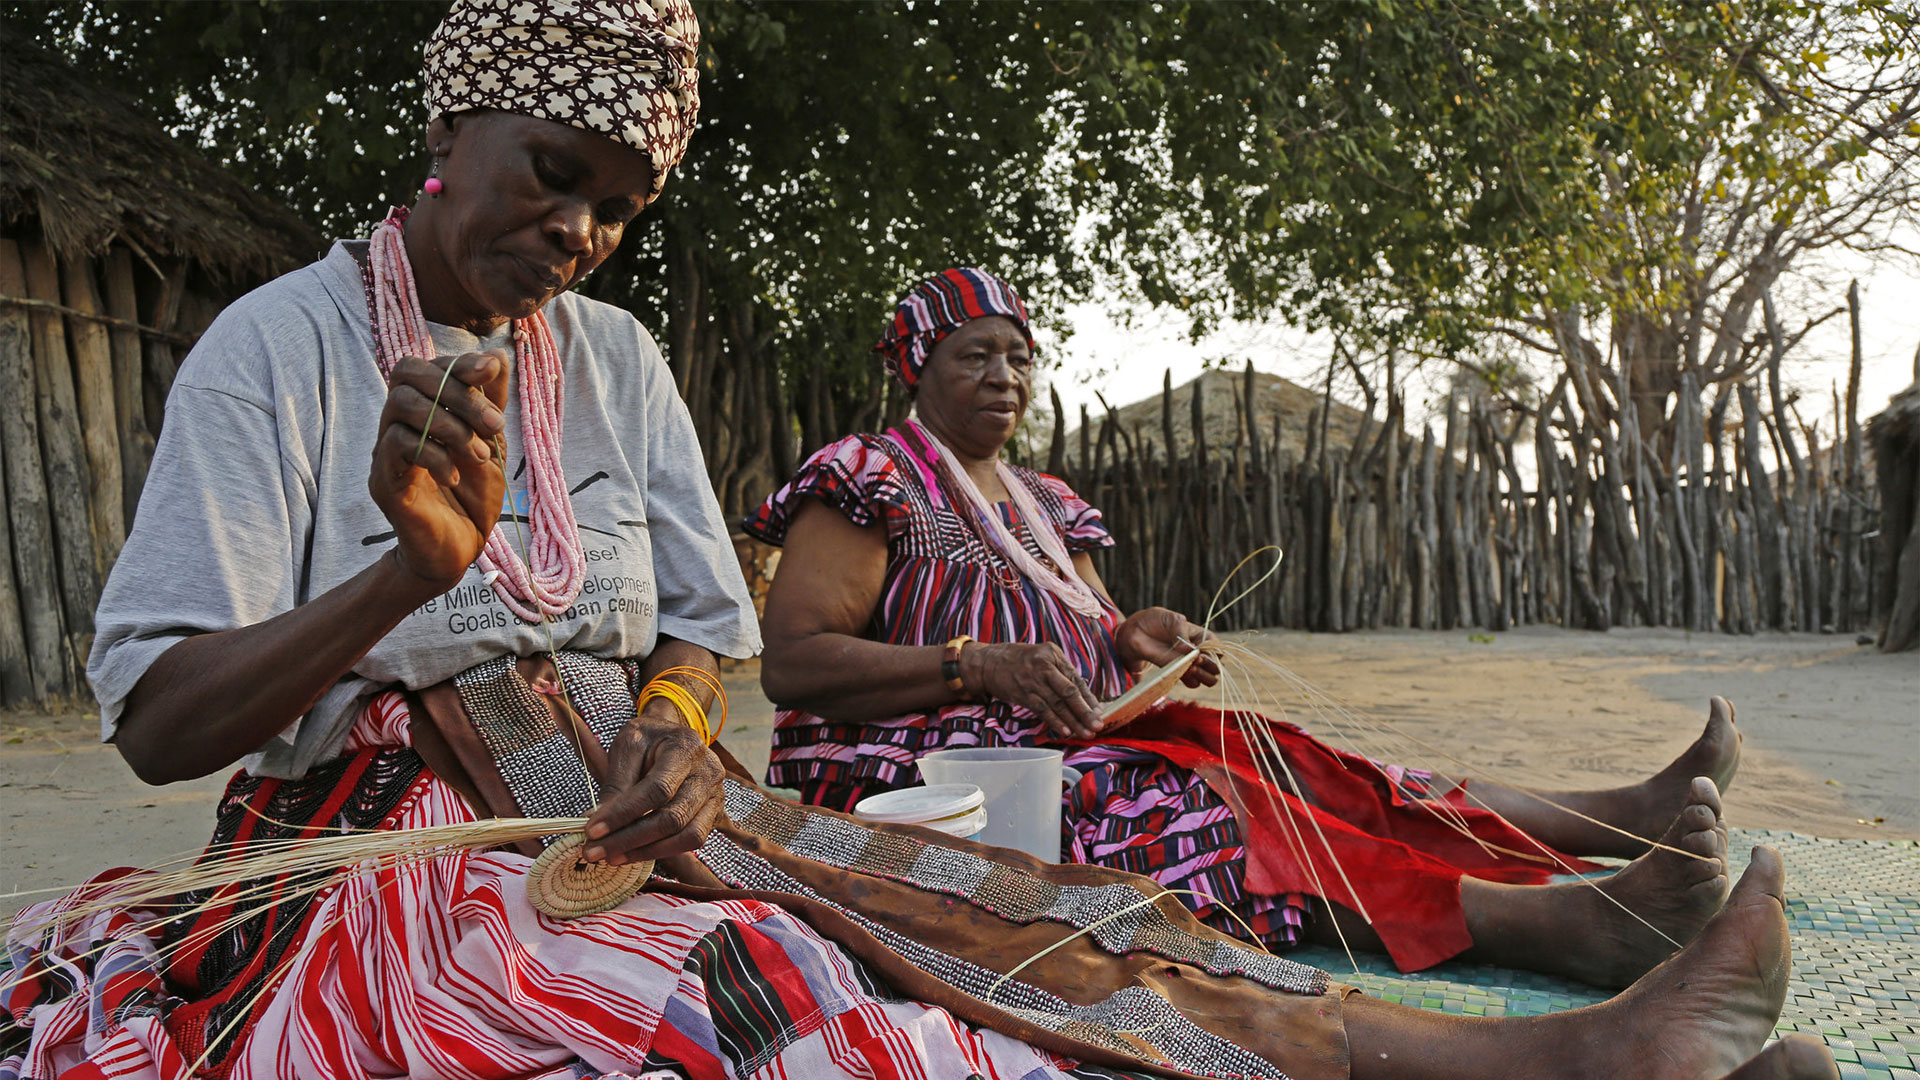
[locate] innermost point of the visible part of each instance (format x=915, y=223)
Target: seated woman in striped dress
x=899, y=548
x=324, y=581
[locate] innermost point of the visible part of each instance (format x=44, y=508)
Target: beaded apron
x=537, y=760
x=547, y=777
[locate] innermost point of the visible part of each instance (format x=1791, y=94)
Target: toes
x=1704, y=792
x=1796, y=1057
x=1696, y=820
x=1704, y=839
x=1765, y=876
x=1698, y=826
x=1807, y=1058
x=1719, y=710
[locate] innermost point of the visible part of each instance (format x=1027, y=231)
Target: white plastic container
x=1022, y=788
x=954, y=809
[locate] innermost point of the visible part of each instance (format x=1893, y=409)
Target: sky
x=1127, y=363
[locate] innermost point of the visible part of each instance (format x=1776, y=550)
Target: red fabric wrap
x=1403, y=861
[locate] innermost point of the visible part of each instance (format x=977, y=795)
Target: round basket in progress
x=561, y=884
x=1154, y=684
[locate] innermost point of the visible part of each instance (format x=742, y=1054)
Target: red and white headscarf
x=937, y=307
x=621, y=68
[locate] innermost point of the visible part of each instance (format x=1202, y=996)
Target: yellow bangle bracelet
x=689, y=713
x=699, y=675
x=711, y=681
x=683, y=700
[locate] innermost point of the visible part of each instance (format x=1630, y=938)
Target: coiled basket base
x=562, y=884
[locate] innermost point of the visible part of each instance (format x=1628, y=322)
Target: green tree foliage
x=1443, y=163
x=1413, y=169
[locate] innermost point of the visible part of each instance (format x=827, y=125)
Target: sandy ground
x=1832, y=733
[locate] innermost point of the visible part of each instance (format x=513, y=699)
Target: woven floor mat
x=1854, y=910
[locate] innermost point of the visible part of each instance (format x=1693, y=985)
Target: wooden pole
x=16, y=671
x=63, y=455
x=30, y=607
x=1426, y=558
x=162, y=364
x=1057, y=445
x=1861, y=605
x=1456, y=606
x=136, y=442
x=1766, y=565
x=99, y=431
x=29, y=520
x=62, y=458
x=1798, y=611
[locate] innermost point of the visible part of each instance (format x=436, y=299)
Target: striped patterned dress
x=1132, y=810
x=443, y=969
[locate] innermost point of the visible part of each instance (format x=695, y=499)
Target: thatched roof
x=83, y=165
x=1220, y=403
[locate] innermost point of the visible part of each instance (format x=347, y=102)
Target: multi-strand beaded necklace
x=558, y=568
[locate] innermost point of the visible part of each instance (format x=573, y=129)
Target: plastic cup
x=1022, y=788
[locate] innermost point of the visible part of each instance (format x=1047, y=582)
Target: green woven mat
x=1854, y=910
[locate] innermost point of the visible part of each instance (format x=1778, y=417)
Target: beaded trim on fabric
x=548, y=778
x=602, y=691
x=1133, y=1020
x=537, y=759
x=1011, y=894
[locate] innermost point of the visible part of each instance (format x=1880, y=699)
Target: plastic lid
x=966, y=824
x=915, y=805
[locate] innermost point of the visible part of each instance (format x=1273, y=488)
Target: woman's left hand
x=664, y=791
x=1157, y=635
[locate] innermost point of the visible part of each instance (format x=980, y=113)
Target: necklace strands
x=999, y=567
x=1075, y=594
x=546, y=578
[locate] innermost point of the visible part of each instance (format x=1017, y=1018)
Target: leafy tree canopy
x=1414, y=167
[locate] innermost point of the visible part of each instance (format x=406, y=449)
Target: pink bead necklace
x=559, y=564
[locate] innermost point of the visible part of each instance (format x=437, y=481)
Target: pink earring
x=433, y=186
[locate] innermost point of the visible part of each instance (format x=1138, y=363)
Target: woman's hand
x=664, y=791
x=1037, y=677
x=442, y=505
x=1155, y=636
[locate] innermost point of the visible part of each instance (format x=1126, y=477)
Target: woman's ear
x=440, y=133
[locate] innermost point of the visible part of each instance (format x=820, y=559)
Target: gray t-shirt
x=257, y=502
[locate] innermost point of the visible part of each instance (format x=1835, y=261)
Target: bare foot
x=1674, y=893
x=1714, y=755
x=1610, y=932
x=1641, y=809
x=1706, y=1011
x=1796, y=1057
x=1703, y=1014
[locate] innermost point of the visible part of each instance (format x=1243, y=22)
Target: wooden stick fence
x=1714, y=528
x=87, y=352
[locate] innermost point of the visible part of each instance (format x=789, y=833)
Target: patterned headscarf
x=620, y=68
x=937, y=307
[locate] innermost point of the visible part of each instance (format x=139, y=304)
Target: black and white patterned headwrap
x=620, y=68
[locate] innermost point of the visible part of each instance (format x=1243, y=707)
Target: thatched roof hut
x=118, y=243
x=1276, y=401
x=85, y=168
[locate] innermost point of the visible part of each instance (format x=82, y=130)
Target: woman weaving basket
x=921, y=548
x=390, y=658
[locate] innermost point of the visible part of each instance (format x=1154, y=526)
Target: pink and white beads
x=558, y=562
